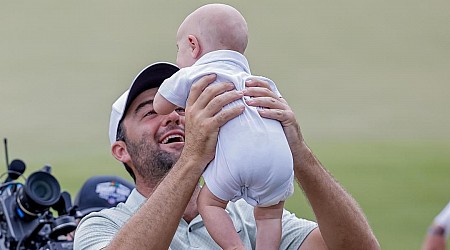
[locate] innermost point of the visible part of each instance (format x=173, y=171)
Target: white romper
x=253, y=160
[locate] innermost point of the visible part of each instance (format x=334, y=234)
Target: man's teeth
x=177, y=138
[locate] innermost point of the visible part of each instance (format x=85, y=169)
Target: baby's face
x=184, y=45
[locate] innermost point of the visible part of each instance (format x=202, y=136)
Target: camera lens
x=40, y=192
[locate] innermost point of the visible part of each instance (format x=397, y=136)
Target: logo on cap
x=113, y=192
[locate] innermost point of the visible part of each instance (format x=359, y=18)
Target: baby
x=253, y=160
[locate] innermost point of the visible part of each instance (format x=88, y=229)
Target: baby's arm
x=162, y=106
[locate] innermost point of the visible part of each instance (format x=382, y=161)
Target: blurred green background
x=368, y=80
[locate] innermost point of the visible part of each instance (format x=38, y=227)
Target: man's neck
x=145, y=189
x=191, y=210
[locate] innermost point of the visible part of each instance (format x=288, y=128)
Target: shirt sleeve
x=95, y=224
x=176, y=88
x=295, y=230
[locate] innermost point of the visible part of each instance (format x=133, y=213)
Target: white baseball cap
x=151, y=76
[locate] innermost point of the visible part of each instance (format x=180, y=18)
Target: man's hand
x=204, y=116
x=274, y=108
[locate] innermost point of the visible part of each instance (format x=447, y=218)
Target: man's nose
x=173, y=117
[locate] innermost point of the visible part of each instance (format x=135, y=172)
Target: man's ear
x=195, y=46
x=120, y=152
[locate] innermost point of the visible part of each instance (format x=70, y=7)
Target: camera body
x=26, y=219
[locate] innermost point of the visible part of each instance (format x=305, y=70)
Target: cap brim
x=150, y=77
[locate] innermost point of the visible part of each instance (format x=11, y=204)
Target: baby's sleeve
x=176, y=88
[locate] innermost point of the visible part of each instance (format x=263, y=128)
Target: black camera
x=26, y=211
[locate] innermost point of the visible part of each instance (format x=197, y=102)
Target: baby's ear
x=195, y=46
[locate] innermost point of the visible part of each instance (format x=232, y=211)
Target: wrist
x=195, y=163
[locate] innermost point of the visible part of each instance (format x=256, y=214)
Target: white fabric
x=116, y=115
x=253, y=160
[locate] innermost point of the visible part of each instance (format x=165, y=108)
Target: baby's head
x=210, y=27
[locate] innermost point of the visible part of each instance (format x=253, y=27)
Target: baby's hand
x=162, y=106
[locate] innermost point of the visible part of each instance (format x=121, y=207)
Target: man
x=166, y=155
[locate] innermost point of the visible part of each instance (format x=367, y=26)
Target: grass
x=400, y=185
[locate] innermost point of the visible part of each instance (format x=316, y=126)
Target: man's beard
x=150, y=161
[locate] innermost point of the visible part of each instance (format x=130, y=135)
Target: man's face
x=154, y=142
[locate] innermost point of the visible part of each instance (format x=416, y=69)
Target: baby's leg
x=268, y=226
x=217, y=221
